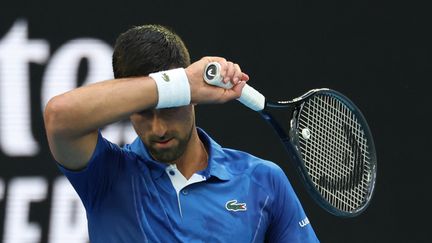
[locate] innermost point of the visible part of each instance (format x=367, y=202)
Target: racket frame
x=291, y=143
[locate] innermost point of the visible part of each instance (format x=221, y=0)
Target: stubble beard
x=172, y=154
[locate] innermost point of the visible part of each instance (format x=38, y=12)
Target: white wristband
x=173, y=88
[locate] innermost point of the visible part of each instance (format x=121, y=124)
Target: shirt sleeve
x=94, y=181
x=289, y=222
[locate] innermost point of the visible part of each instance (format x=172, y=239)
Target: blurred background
x=376, y=52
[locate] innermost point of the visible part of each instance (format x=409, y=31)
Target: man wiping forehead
x=174, y=183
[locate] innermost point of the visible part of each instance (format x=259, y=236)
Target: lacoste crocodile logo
x=232, y=205
x=165, y=77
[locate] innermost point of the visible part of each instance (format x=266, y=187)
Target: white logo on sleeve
x=304, y=222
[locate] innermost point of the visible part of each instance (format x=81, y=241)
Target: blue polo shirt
x=129, y=198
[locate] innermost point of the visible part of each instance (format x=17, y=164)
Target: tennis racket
x=328, y=139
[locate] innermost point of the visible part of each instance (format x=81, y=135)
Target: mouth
x=163, y=144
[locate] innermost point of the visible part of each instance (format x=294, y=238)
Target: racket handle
x=249, y=97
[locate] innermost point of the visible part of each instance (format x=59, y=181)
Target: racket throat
x=269, y=118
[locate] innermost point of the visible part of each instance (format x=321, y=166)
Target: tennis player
x=174, y=183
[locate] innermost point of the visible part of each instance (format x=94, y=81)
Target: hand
x=201, y=92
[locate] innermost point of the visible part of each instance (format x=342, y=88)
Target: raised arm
x=73, y=118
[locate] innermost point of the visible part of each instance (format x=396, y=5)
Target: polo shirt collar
x=217, y=158
x=215, y=168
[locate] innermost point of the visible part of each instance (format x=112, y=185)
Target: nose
x=159, y=126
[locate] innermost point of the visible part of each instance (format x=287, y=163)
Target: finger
x=244, y=77
x=238, y=88
x=224, y=66
x=230, y=70
x=209, y=59
x=237, y=74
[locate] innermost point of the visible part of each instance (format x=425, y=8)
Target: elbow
x=55, y=116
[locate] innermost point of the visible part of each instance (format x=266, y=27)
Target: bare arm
x=73, y=118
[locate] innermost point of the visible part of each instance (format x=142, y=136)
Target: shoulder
x=240, y=162
x=107, y=147
x=108, y=155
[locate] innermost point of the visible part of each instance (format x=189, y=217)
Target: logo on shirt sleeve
x=233, y=205
x=304, y=222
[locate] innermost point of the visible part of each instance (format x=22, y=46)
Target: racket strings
x=336, y=153
x=340, y=184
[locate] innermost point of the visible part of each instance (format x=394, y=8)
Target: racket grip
x=249, y=97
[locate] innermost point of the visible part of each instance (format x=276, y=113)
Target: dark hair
x=145, y=49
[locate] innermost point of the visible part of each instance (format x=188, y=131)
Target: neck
x=195, y=157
